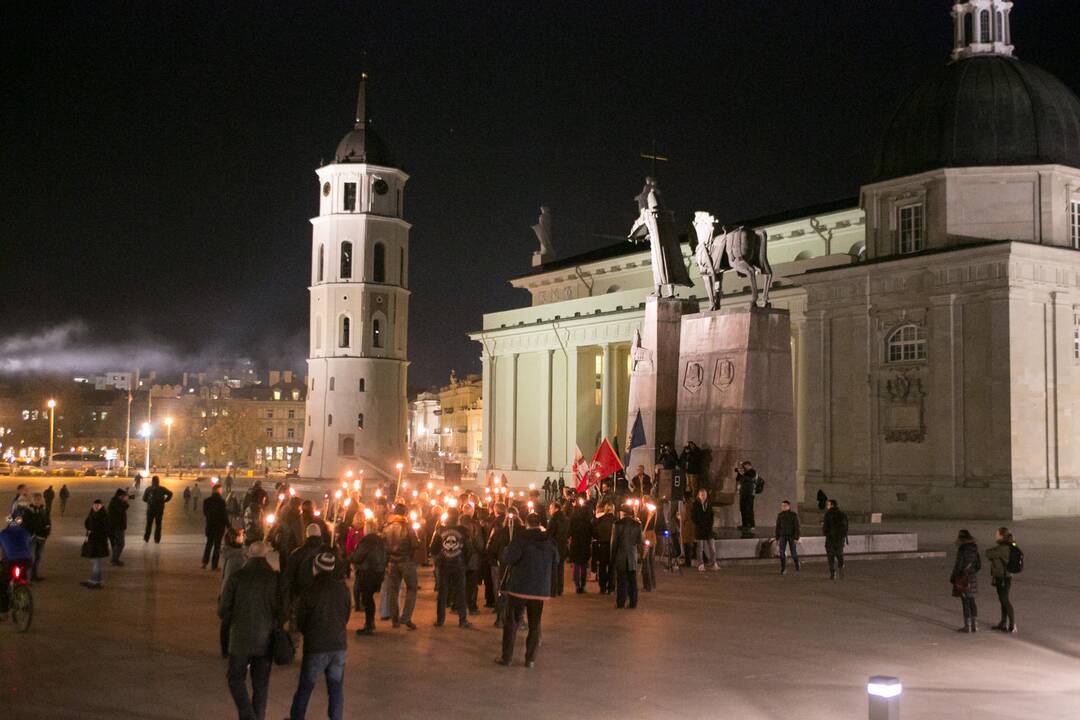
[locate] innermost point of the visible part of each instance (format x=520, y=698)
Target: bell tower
x=357, y=356
x=982, y=27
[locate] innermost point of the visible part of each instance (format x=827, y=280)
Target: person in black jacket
x=702, y=515
x=581, y=532
x=787, y=536
x=118, y=507
x=97, y=543
x=401, y=546
x=965, y=580
x=691, y=465
x=322, y=614
x=626, y=545
x=250, y=606
x=369, y=557
x=602, y=555
x=217, y=522
x=40, y=526
x=559, y=531
x=834, y=526
x=531, y=559
x=299, y=573
x=746, y=482
x=450, y=547
x=155, y=498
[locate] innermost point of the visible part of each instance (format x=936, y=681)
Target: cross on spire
x=653, y=157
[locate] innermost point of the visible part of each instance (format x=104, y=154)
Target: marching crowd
x=507, y=549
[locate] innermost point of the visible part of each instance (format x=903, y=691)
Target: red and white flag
x=579, y=469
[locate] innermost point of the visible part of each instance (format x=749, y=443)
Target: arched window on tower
x=319, y=264
x=907, y=343
x=969, y=28
x=376, y=333
x=378, y=263
x=346, y=260
x=361, y=385
x=999, y=25
x=984, y=26
x=348, y=446
x=360, y=421
x=331, y=386
x=401, y=268
x=343, y=332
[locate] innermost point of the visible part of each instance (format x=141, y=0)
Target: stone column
x=607, y=390
x=546, y=394
x=513, y=402
x=571, y=405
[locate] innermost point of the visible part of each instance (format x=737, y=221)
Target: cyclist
x=16, y=547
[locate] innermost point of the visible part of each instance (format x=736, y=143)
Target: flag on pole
x=604, y=463
x=637, y=438
x=579, y=469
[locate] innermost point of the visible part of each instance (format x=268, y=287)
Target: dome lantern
x=982, y=27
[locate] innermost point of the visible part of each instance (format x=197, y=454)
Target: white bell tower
x=357, y=359
x=982, y=27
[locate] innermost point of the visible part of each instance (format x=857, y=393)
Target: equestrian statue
x=741, y=249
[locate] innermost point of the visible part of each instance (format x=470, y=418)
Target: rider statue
x=655, y=224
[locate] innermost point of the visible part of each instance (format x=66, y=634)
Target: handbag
x=281, y=647
x=86, y=551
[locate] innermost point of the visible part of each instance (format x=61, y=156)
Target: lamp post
x=168, y=443
x=145, y=432
x=52, y=425
x=884, y=695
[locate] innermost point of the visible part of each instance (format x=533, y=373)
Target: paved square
x=741, y=643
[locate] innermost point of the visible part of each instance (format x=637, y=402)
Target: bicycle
x=22, y=600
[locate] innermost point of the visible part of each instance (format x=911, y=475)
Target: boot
x=966, y=628
x=1003, y=626
x=974, y=625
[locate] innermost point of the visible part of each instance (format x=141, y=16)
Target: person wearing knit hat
x=964, y=579
x=322, y=613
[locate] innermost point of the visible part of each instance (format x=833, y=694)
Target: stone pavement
x=741, y=643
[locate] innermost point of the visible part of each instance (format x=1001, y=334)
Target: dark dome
x=980, y=111
x=363, y=145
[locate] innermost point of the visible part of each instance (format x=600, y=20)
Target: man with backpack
x=834, y=526
x=1006, y=559
x=748, y=484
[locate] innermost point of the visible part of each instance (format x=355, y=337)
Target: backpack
x=759, y=485
x=1016, y=560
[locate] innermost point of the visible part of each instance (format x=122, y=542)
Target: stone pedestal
x=654, y=378
x=735, y=401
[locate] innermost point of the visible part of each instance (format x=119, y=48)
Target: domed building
x=935, y=318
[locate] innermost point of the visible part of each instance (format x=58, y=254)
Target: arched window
x=969, y=28
x=360, y=421
x=329, y=420
x=999, y=28
x=346, y=260
x=376, y=333
x=907, y=343
x=343, y=332
x=984, y=26
x=378, y=263
x=804, y=255
x=319, y=264
x=401, y=268
x=331, y=382
x=318, y=338
x=361, y=384
x=348, y=445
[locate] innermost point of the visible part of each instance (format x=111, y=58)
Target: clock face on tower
x=326, y=189
x=380, y=187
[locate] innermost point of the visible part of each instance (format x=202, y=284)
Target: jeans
x=581, y=574
x=95, y=571
x=117, y=545
x=517, y=608
x=39, y=550
x=330, y=664
x=626, y=581
x=785, y=544
x=1003, y=586
x=153, y=520
x=702, y=546
x=366, y=585
x=212, y=548
x=402, y=571
x=451, y=578
x=249, y=707
x=971, y=610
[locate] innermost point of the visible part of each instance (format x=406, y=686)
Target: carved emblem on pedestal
x=723, y=373
x=694, y=376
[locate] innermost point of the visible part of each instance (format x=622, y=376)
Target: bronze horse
x=741, y=249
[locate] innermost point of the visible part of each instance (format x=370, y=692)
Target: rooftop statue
x=741, y=249
x=542, y=228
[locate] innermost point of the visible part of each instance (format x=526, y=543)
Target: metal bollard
x=884, y=695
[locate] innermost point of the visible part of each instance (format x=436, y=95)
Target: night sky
x=157, y=158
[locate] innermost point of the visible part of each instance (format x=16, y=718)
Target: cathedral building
x=935, y=319
x=357, y=358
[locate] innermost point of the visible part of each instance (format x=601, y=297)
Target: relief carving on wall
x=903, y=408
x=723, y=373
x=694, y=376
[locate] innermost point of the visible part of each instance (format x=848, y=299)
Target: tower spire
x=982, y=27
x=361, y=103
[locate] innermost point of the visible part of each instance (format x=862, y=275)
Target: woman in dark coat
x=97, y=543
x=964, y=579
x=581, y=532
x=369, y=557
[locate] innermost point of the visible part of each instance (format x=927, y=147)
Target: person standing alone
x=217, y=522
x=787, y=536
x=834, y=526
x=531, y=560
x=748, y=485
x=1005, y=558
x=155, y=498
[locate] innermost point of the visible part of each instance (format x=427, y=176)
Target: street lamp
x=52, y=424
x=144, y=431
x=168, y=443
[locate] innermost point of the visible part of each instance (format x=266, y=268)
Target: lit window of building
x=907, y=344
x=911, y=229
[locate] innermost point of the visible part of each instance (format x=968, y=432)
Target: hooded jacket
x=401, y=540
x=251, y=606
x=532, y=559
